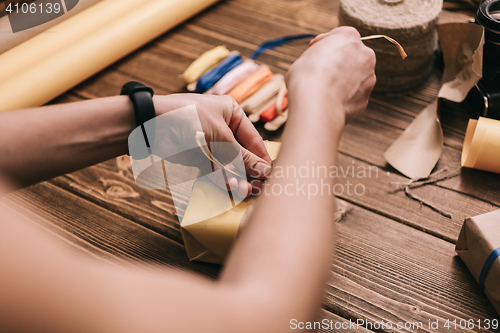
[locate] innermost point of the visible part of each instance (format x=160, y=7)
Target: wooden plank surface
x=395, y=260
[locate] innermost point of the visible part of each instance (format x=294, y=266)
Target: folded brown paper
x=482, y=145
x=417, y=150
x=210, y=224
x=479, y=247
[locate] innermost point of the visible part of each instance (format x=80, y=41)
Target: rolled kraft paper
x=410, y=22
x=8, y=41
x=62, y=35
x=73, y=64
x=482, y=145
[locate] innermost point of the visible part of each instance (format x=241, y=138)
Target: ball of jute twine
x=412, y=23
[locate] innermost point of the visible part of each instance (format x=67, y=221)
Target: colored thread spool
x=204, y=63
x=264, y=94
x=412, y=23
x=237, y=75
x=277, y=122
x=272, y=111
x=248, y=87
x=214, y=75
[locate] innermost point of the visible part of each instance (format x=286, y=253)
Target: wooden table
x=395, y=260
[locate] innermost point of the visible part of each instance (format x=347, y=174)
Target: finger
x=244, y=189
x=318, y=38
x=255, y=166
x=218, y=179
x=344, y=30
x=233, y=183
x=246, y=134
x=257, y=186
x=350, y=31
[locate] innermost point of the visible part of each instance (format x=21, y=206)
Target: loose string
x=283, y=40
x=210, y=78
x=393, y=41
x=202, y=144
x=271, y=44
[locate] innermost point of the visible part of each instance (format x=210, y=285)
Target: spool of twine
x=412, y=23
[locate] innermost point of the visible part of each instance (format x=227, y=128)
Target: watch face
x=26, y=14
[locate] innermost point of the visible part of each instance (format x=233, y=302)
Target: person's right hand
x=339, y=70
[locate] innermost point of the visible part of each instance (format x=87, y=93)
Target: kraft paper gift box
x=210, y=224
x=479, y=247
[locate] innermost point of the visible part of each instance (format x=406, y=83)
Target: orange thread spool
x=248, y=87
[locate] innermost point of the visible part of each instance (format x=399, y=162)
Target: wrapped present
x=479, y=247
x=211, y=224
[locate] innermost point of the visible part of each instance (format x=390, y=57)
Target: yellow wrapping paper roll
x=62, y=35
x=209, y=239
x=74, y=63
x=482, y=145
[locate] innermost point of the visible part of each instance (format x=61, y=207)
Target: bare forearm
x=41, y=143
x=288, y=244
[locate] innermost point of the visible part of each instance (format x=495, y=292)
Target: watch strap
x=142, y=100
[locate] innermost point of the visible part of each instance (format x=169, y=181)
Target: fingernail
x=262, y=169
x=233, y=183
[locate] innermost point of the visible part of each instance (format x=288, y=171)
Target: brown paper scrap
x=417, y=150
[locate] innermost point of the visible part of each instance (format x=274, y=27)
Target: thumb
x=255, y=166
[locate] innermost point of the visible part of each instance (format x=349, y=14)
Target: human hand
x=222, y=120
x=338, y=69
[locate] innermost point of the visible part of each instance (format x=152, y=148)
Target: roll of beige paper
x=411, y=22
x=76, y=62
x=481, y=148
x=61, y=35
x=8, y=40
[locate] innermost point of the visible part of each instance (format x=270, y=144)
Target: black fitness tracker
x=142, y=99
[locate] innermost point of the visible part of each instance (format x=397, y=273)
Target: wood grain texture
x=387, y=271
x=103, y=229
x=383, y=270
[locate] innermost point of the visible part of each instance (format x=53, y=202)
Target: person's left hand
x=222, y=120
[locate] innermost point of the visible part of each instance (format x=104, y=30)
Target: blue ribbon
x=209, y=79
x=277, y=42
x=487, y=265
